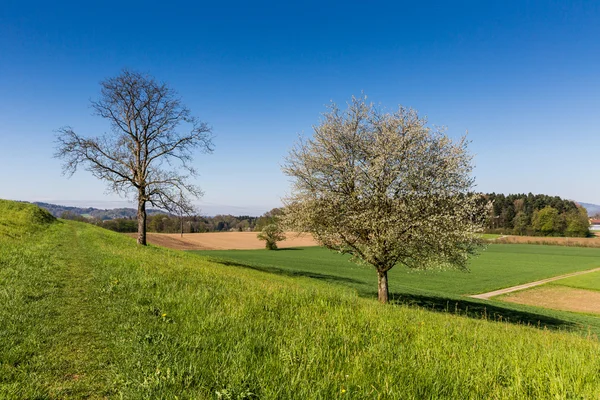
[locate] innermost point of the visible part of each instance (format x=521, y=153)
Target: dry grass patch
x=558, y=298
x=556, y=241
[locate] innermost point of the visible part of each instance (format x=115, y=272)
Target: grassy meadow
x=490, y=236
x=86, y=313
x=497, y=267
x=588, y=281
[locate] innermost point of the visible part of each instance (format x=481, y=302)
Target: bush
x=271, y=234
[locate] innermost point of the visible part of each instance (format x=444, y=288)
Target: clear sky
x=523, y=77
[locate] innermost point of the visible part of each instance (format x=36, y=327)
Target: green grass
x=86, y=313
x=499, y=266
x=588, y=281
x=19, y=220
x=490, y=236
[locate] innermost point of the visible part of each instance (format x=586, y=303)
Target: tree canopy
x=385, y=188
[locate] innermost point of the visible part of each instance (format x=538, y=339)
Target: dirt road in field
x=223, y=240
x=488, y=295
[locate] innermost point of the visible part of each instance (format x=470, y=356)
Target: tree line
x=535, y=215
x=518, y=214
x=103, y=214
x=165, y=223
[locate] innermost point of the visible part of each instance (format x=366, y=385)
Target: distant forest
x=124, y=220
x=536, y=215
x=164, y=223
x=516, y=214
x=94, y=213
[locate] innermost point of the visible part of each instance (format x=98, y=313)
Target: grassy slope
x=88, y=313
x=497, y=267
x=20, y=220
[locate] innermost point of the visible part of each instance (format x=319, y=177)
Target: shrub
x=271, y=234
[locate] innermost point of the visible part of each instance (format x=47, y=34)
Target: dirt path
x=488, y=295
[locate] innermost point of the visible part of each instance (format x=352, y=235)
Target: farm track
x=488, y=295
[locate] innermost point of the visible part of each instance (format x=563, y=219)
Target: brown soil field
x=556, y=241
x=558, y=298
x=223, y=240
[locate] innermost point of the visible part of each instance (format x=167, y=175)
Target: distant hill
x=592, y=209
x=90, y=212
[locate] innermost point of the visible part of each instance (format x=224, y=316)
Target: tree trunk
x=382, y=287
x=141, y=217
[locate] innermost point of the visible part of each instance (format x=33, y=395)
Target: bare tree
x=385, y=188
x=183, y=208
x=148, y=152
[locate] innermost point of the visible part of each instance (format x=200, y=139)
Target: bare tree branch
x=151, y=130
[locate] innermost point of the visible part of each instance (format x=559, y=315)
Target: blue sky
x=523, y=77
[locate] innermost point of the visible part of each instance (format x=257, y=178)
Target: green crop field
x=490, y=236
x=588, y=281
x=497, y=267
x=86, y=313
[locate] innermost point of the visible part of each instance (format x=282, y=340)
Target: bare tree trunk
x=382, y=287
x=181, y=218
x=141, y=217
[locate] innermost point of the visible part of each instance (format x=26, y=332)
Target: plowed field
x=558, y=298
x=223, y=240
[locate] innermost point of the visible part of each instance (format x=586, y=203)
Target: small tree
x=183, y=208
x=148, y=153
x=547, y=221
x=577, y=223
x=521, y=223
x=271, y=234
x=270, y=217
x=386, y=189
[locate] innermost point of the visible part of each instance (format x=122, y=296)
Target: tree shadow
x=466, y=307
x=479, y=310
x=280, y=271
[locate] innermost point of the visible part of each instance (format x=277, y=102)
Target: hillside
x=18, y=219
x=592, y=209
x=107, y=214
x=89, y=314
